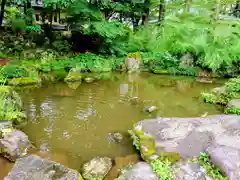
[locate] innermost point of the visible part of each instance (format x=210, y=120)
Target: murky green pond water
x=74, y=121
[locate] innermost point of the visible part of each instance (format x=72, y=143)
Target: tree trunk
x=2, y=11
x=146, y=12
x=161, y=11
x=187, y=5
x=236, y=9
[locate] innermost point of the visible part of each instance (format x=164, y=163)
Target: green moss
x=144, y=143
x=172, y=157
x=59, y=75
x=232, y=110
x=23, y=81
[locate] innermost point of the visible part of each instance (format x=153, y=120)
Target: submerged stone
x=121, y=163
x=23, y=81
x=97, y=167
x=35, y=168
x=150, y=108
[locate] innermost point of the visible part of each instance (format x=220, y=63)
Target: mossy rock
x=172, y=157
x=143, y=142
x=59, y=75
x=73, y=77
x=160, y=71
x=23, y=81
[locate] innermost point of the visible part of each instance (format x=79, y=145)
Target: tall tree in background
x=161, y=11
x=2, y=11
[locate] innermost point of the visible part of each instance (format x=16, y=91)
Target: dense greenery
x=223, y=95
x=177, y=37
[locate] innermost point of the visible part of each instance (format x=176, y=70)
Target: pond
x=74, y=120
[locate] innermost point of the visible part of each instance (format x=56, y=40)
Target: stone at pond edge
x=73, y=76
x=14, y=145
x=139, y=171
x=88, y=79
x=35, y=168
x=227, y=159
x=97, y=167
x=6, y=127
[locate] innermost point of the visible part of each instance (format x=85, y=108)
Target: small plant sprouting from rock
x=232, y=110
x=212, y=170
x=162, y=168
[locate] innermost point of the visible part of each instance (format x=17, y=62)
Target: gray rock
x=132, y=64
x=5, y=127
x=190, y=171
x=219, y=90
x=97, y=167
x=150, y=108
x=227, y=159
x=35, y=168
x=190, y=136
x=234, y=103
x=14, y=145
x=187, y=60
x=139, y=171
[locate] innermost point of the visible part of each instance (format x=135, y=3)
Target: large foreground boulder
x=188, y=137
x=35, y=168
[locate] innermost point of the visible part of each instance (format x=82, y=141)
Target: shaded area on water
x=75, y=121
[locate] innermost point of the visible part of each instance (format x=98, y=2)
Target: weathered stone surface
x=97, y=167
x=189, y=171
x=35, y=168
x=235, y=103
x=190, y=136
x=227, y=159
x=14, y=145
x=139, y=171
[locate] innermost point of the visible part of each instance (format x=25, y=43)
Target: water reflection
x=79, y=124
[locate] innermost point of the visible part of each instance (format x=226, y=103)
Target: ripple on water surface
x=76, y=122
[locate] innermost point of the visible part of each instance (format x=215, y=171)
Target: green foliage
x=162, y=168
x=18, y=25
x=232, y=110
x=232, y=88
x=33, y=28
x=92, y=178
x=61, y=46
x=13, y=71
x=212, y=170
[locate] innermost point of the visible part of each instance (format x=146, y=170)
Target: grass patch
x=211, y=169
